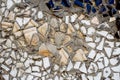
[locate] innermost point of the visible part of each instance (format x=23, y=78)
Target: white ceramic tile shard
x=17, y=1
x=40, y=15
x=46, y=62
x=116, y=51
x=73, y=17
x=101, y=44
x=110, y=44
x=8, y=43
x=92, y=45
x=26, y=20
x=102, y=33
x=35, y=68
x=36, y=74
x=103, y=25
x=19, y=21
x=2, y=60
x=114, y=61
x=56, y=67
x=83, y=68
x=112, y=19
x=95, y=20
x=116, y=76
x=70, y=66
x=117, y=44
x=92, y=54
x=67, y=19
x=108, y=51
x=106, y=72
x=92, y=68
x=6, y=77
x=97, y=39
x=38, y=63
x=30, y=77
x=83, y=30
x=9, y=4
x=19, y=65
x=87, y=22
x=98, y=56
x=28, y=70
x=8, y=61
x=116, y=68
x=83, y=76
x=5, y=67
x=13, y=71
x=100, y=64
x=88, y=39
x=98, y=76
x=81, y=17
x=77, y=65
x=90, y=31
x=90, y=77
x=76, y=26
x=106, y=61
x=110, y=37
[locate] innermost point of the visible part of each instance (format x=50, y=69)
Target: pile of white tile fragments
x=35, y=45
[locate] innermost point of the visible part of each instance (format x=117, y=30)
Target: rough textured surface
x=37, y=43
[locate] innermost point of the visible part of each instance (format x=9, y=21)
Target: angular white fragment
x=2, y=60
x=101, y=44
x=8, y=61
x=66, y=19
x=83, y=30
x=56, y=78
x=106, y=72
x=9, y=4
x=97, y=39
x=56, y=67
x=19, y=65
x=117, y=44
x=13, y=55
x=110, y=44
x=112, y=19
x=35, y=68
x=116, y=68
x=110, y=37
x=92, y=68
x=108, y=51
x=77, y=65
x=88, y=39
x=116, y=51
x=38, y=63
x=26, y=20
x=76, y=26
x=70, y=66
x=28, y=62
x=106, y=61
x=98, y=76
x=19, y=21
x=83, y=68
x=40, y=15
x=98, y=56
x=90, y=31
x=5, y=67
x=13, y=72
x=28, y=70
x=103, y=25
x=95, y=20
x=102, y=33
x=8, y=43
x=84, y=77
x=46, y=62
x=90, y=77
x=100, y=64
x=114, y=61
x=92, y=45
x=25, y=54
x=36, y=74
x=6, y=77
x=116, y=76
x=73, y=17
x=30, y=77
x=87, y=22
x=92, y=54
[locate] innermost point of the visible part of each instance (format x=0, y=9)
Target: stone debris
x=37, y=43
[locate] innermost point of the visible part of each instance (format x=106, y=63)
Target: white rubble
x=95, y=20
x=46, y=62
x=76, y=26
x=73, y=17
x=92, y=45
x=70, y=66
x=92, y=68
x=110, y=44
x=116, y=68
x=101, y=44
x=83, y=68
x=87, y=22
x=88, y=39
x=83, y=30
x=102, y=33
x=13, y=71
x=5, y=67
x=106, y=72
x=108, y=51
x=8, y=61
x=92, y=54
x=106, y=61
x=6, y=77
x=30, y=77
x=98, y=76
x=40, y=15
x=2, y=60
x=77, y=65
x=83, y=76
x=35, y=68
x=116, y=51
x=110, y=37
x=114, y=61
x=116, y=76
x=66, y=19
x=90, y=31
x=9, y=4
x=28, y=70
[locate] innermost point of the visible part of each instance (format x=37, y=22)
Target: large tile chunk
x=46, y=62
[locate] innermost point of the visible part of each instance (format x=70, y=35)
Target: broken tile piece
x=92, y=54
x=92, y=68
x=8, y=61
x=73, y=17
x=77, y=65
x=83, y=30
x=98, y=76
x=90, y=31
x=70, y=66
x=83, y=68
x=79, y=56
x=87, y=22
x=35, y=68
x=9, y=4
x=112, y=19
x=108, y=51
x=5, y=67
x=114, y=61
x=13, y=72
x=66, y=19
x=95, y=20
x=92, y=45
x=116, y=68
x=102, y=33
x=40, y=15
x=101, y=44
x=116, y=51
x=110, y=44
x=19, y=20
x=116, y=76
x=46, y=62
